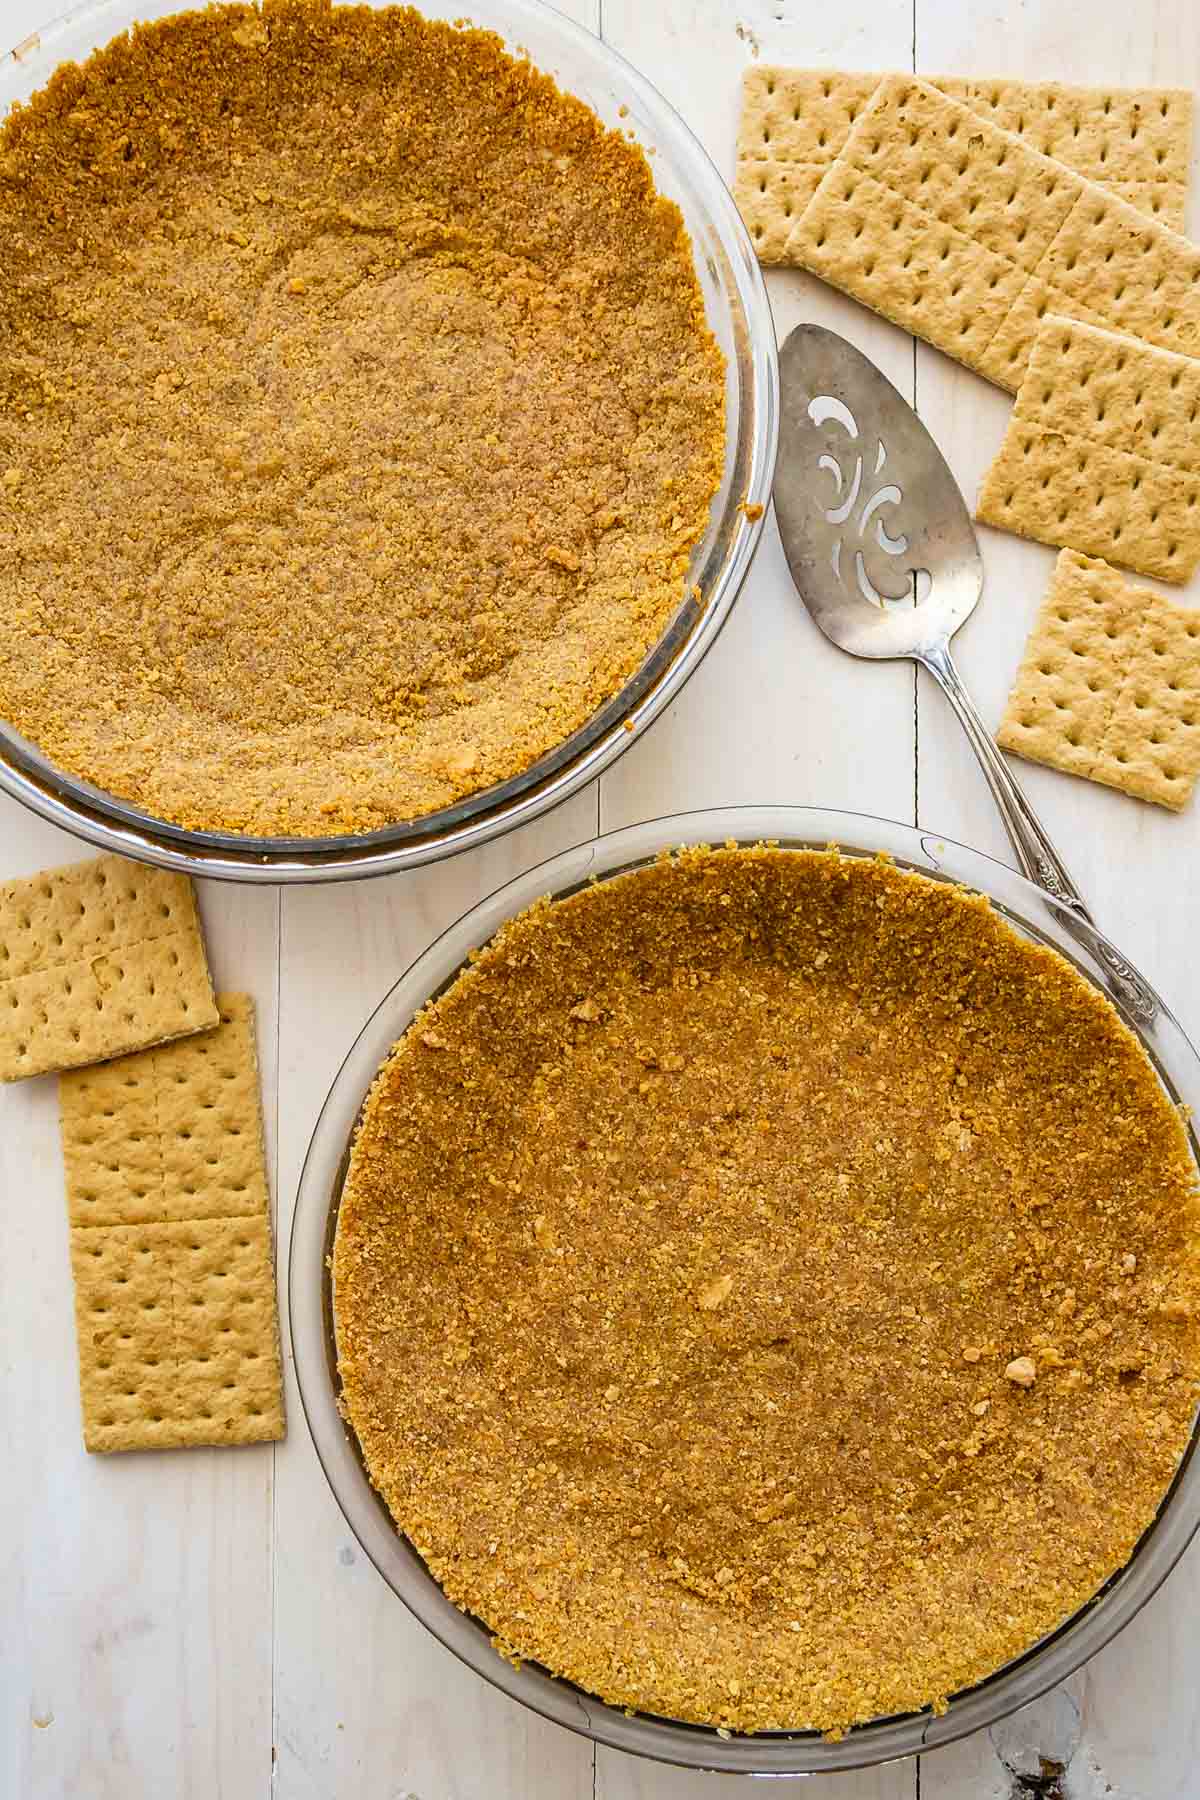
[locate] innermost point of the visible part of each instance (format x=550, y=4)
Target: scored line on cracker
x=1109, y=685
x=168, y=1206
x=1102, y=451
x=96, y=959
x=1136, y=142
x=963, y=234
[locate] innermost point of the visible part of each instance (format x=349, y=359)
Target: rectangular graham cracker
x=97, y=959
x=1109, y=685
x=168, y=1207
x=794, y=122
x=967, y=236
x=1102, y=451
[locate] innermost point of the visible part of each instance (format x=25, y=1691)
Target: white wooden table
x=199, y=1624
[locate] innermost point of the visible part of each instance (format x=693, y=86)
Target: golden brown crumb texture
x=358, y=415
x=767, y=1289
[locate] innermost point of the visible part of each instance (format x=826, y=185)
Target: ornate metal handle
x=1038, y=858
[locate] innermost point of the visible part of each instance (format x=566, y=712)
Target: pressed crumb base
x=358, y=416
x=767, y=1289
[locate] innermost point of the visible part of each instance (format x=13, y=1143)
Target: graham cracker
x=963, y=233
x=96, y=959
x=171, y=1244
x=795, y=122
x=1165, y=201
x=1109, y=685
x=1102, y=451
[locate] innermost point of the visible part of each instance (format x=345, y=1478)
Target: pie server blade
x=884, y=556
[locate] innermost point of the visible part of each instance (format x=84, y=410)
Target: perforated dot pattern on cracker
x=1109, y=685
x=97, y=959
x=795, y=122
x=962, y=233
x=1102, y=451
x=171, y=1244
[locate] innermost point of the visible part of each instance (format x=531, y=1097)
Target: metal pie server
x=883, y=553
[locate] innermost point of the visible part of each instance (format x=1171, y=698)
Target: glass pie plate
x=1030, y=911
x=738, y=314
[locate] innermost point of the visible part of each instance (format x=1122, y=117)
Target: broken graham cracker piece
x=962, y=233
x=1109, y=685
x=171, y=1244
x=1102, y=451
x=794, y=122
x=1062, y=698
x=97, y=959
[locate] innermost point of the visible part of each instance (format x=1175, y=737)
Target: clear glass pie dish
x=739, y=316
x=1034, y=914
